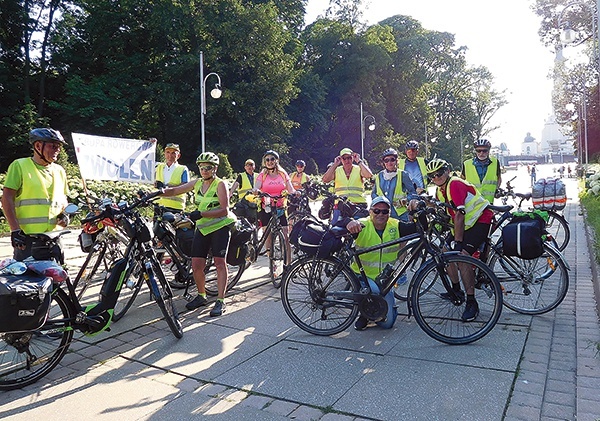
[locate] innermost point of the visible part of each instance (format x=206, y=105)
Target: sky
x=500, y=35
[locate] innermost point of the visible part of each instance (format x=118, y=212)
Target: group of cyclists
x=35, y=193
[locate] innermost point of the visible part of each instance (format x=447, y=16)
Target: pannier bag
x=314, y=239
x=240, y=235
x=549, y=194
x=24, y=302
x=524, y=235
x=185, y=239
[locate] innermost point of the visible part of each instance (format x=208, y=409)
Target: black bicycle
x=323, y=296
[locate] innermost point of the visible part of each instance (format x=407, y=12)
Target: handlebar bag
x=24, y=302
x=524, y=236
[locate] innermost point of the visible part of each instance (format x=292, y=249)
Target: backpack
x=524, y=235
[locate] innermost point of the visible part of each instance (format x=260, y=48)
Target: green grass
x=591, y=204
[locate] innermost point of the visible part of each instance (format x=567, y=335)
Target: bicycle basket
x=24, y=302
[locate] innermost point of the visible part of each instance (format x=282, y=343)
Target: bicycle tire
x=48, y=345
x=533, y=286
x=128, y=294
x=171, y=269
x=277, y=258
x=163, y=295
x=558, y=227
x=234, y=273
x=308, y=294
x=441, y=318
x=85, y=276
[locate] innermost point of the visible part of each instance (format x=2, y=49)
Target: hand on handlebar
x=195, y=215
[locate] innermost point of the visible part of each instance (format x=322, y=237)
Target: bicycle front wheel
x=317, y=295
x=131, y=286
x=234, y=273
x=532, y=286
x=163, y=295
x=26, y=357
x=277, y=258
x=440, y=317
x=558, y=227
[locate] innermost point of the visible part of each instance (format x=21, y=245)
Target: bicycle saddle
x=501, y=209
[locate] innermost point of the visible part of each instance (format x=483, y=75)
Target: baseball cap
x=249, y=161
x=346, y=151
x=380, y=199
x=172, y=146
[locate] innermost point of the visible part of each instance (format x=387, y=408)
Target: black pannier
x=185, y=239
x=240, y=235
x=24, y=302
x=524, y=236
x=246, y=209
x=314, y=239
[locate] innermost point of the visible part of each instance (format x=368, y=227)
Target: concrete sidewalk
x=253, y=363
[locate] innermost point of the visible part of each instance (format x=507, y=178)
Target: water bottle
x=130, y=283
x=384, y=275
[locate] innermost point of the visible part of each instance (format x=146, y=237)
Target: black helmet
x=46, y=135
x=270, y=152
x=300, y=163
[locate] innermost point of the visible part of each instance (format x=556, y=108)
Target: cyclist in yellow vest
x=386, y=184
x=348, y=178
x=483, y=171
x=376, y=229
x=471, y=227
x=414, y=165
x=245, y=180
x=170, y=174
x=35, y=193
x=213, y=220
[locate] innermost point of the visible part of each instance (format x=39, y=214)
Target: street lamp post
x=362, y=129
x=569, y=37
x=215, y=93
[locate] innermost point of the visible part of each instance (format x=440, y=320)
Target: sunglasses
x=347, y=158
x=270, y=159
x=481, y=150
x=437, y=174
x=378, y=211
x=386, y=160
x=249, y=165
x=55, y=146
x=207, y=168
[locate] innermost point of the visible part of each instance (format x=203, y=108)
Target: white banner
x=110, y=158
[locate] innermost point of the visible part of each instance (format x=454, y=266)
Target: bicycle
x=529, y=286
x=323, y=296
x=557, y=226
x=27, y=356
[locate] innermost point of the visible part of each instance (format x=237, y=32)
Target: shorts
x=217, y=240
x=265, y=217
x=475, y=236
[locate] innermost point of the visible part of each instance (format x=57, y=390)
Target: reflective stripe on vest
x=488, y=186
x=208, y=201
x=351, y=187
x=173, y=202
x=398, y=192
x=374, y=262
x=246, y=186
x=36, y=208
x=475, y=204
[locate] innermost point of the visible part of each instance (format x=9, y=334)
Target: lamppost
x=362, y=129
x=215, y=93
x=569, y=37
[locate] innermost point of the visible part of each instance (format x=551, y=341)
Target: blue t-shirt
x=414, y=171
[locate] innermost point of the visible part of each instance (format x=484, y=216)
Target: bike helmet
x=482, y=143
x=46, y=135
x=270, y=152
x=207, y=157
x=389, y=152
x=300, y=163
x=411, y=144
x=435, y=165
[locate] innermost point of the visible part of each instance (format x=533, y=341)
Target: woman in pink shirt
x=273, y=179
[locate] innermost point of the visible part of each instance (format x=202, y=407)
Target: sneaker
x=361, y=323
x=447, y=296
x=197, y=302
x=471, y=311
x=218, y=309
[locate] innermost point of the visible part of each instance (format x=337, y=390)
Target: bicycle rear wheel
x=163, y=295
x=316, y=295
x=234, y=273
x=558, y=227
x=533, y=286
x=277, y=258
x=28, y=356
x=132, y=284
x=441, y=318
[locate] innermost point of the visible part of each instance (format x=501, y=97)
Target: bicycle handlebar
x=112, y=213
